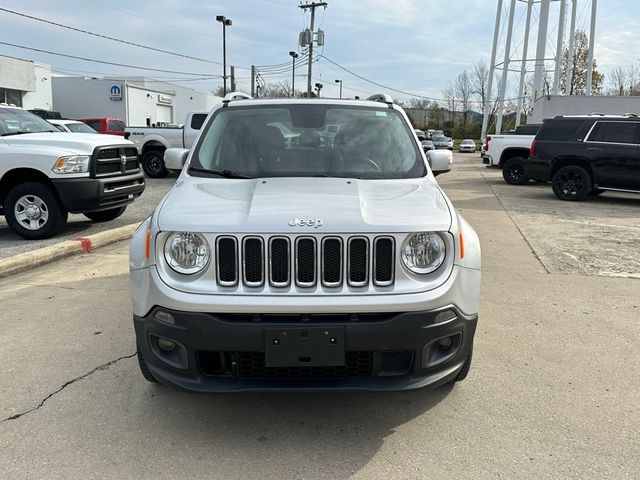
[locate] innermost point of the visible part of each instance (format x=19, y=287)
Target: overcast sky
x=415, y=46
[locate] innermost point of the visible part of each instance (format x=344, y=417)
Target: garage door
x=164, y=113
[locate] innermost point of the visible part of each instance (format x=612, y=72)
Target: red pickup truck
x=110, y=126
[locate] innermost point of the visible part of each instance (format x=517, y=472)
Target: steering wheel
x=366, y=162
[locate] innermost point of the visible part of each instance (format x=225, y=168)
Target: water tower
x=535, y=11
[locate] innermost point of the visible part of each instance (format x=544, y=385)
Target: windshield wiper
x=221, y=173
x=13, y=133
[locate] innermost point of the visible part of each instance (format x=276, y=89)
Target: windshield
x=467, y=142
x=80, y=127
x=304, y=140
x=14, y=121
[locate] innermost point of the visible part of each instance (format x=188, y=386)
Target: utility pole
x=253, y=80
x=233, y=78
x=313, y=7
x=340, y=82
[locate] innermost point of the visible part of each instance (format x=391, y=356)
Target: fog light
x=165, y=317
x=443, y=343
x=445, y=316
x=166, y=345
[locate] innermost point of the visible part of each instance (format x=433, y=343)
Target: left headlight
x=423, y=252
x=187, y=252
x=71, y=164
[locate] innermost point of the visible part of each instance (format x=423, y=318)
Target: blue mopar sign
x=115, y=92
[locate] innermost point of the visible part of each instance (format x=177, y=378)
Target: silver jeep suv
x=293, y=256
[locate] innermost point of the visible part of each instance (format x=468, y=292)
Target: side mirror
x=175, y=158
x=440, y=161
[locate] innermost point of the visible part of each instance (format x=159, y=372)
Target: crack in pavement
x=104, y=366
x=515, y=224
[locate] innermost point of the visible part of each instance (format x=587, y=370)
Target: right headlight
x=423, y=252
x=187, y=252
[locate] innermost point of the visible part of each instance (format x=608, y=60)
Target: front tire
x=33, y=211
x=462, y=374
x=105, y=215
x=144, y=369
x=153, y=164
x=514, y=171
x=571, y=183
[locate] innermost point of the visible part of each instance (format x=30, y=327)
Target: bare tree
x=633, y=78
x=479, y=81
x=463, y=90
x=276, y=90
x=449, y=95
x=617, y=82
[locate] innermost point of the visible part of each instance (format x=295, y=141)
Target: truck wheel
x=153, y=164
x=105, y=215
x=143, y=368
x=462, y=374
x=571, y=183
x=514, y=171
x=33, y=211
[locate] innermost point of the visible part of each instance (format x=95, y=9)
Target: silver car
x=468, y=146
x=301, y=265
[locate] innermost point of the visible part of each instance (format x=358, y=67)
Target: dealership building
x=25, y=83
x=138, y=100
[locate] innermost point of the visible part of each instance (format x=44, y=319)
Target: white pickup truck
x=153, y=141
x=46, y=174
x=510, y=152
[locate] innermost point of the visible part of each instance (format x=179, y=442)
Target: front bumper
x=226, y=352
x=82, y=195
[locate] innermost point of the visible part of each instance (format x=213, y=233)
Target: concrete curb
x=42, y=256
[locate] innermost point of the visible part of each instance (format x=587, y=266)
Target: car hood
x=64, y=142
x=278, y=205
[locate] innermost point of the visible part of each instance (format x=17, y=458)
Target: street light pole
x=340, y=82
x=294, y=55
x=226, y=22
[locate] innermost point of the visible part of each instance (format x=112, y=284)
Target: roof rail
x=632, y=115
x=596, y=114
x=382, y=97
x=235, y=96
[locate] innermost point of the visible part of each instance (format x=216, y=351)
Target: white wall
x=143, y=103
x=551, y=106
x=77, y=97
x=17, y=74
x=42, y=96
x=184, y=99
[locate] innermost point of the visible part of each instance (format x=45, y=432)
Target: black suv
x=587, y=155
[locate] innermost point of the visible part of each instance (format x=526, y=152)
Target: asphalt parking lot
x=552, y=394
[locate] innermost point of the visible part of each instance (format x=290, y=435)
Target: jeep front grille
x=305, y=261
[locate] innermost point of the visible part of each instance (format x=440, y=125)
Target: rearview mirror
x=175, y=158
x=440, y=161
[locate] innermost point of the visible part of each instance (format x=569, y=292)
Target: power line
x=410, y=94
x=175, y=27
x=104, y=62
x=107, y=37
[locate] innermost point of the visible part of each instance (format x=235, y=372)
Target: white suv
x=307, y=261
